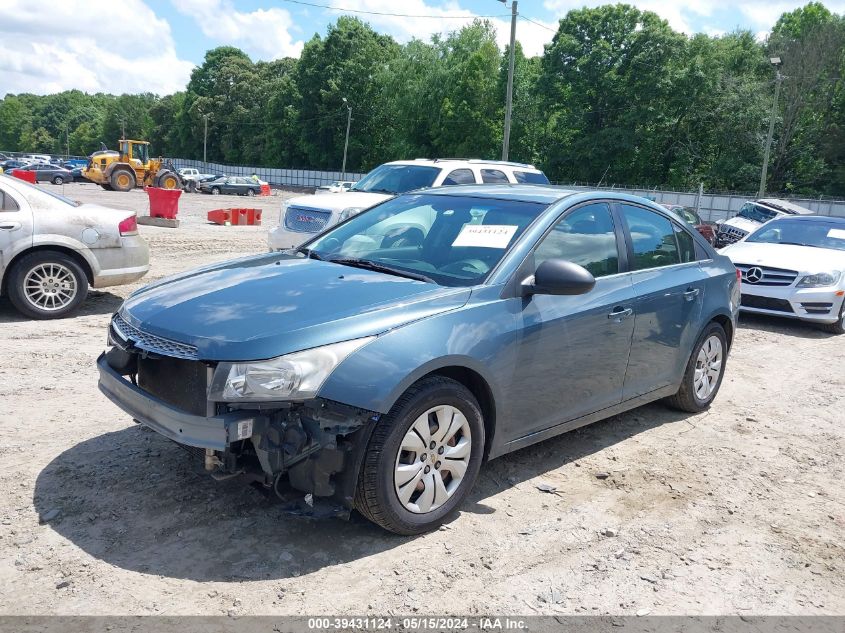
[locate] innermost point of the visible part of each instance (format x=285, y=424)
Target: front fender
x=479, y=336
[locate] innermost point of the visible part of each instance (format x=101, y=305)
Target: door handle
x=691, y=294
x=620, y=313
x=10, y=226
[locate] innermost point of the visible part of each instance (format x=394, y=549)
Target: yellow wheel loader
x=130, y=167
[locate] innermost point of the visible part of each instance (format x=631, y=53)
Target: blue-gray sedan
x=382, y=362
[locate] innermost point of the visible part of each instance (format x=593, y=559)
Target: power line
x=542, y=26
x=394, y=15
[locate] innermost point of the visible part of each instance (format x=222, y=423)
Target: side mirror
x=559, y=277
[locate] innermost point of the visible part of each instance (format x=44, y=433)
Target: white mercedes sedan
x=794, y=266
x=53, y=249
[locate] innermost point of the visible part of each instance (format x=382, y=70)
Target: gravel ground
x=738, y=510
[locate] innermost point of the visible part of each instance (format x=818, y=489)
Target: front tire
x=122, y=180
x=704, y=372
x=58, y=180
x=250, y=192
x=47, y=285
x=423, y=458
x=168, y=180
x=839, y=326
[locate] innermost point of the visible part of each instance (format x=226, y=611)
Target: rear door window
x=686, y=245
x=493, y=176
x=459, y=177
x=7, y=203
x=652, y=238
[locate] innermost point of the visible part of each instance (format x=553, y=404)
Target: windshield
x=450, y=240
x=689, y=215
x=754, y=212
x=819, y=233
x=397, y=178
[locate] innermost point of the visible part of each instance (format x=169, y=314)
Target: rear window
x=531, y=177
x=493, y=176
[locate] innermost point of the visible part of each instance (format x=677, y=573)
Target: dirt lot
x=737, y=510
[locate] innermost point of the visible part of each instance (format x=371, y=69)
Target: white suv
x=303, y=217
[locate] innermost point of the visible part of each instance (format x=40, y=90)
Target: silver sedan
x=53, y=249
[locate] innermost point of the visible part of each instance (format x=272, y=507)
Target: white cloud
x=263, y=33
x=118, y=47
x=451, y=17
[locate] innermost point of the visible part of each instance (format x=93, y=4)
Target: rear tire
x=701, y=383
x=106, y=187
x=215, y=191
x=440, y=462
x=47, y=285
x=122, y=180
x=250, y=192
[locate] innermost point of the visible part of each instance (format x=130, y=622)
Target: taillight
x=738, y=276
x=129, y=226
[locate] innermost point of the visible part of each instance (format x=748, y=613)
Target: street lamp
x=346, y=144
x=506, y=140
x=777, y=63
x=205, y=138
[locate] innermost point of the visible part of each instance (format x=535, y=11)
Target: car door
x=573, y=350
x=15, y=227
x=669, y=286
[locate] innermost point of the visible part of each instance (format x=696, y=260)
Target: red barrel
x=164, y=203
x=28, y=176
x=265, y=190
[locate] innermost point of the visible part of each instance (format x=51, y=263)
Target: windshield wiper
x=380, y=268
x=310, y=254
x=800, y=244
x=387, y=191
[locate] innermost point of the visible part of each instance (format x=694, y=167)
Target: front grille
x=817, y=307
x=305, y=220
x=730, y=234
x=766, y=303
x=766, y=276
x=151, y=342
x=180, y=383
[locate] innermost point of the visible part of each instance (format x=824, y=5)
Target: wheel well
x=727, y=326
x=79, y=259
x=479, y=388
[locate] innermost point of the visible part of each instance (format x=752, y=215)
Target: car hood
x=340, y=201
x=805, y=259
x=265, y=306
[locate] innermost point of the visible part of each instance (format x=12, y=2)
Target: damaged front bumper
x=316, y=445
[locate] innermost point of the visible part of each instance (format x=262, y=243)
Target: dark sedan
x=232, y=185
x=50, y=173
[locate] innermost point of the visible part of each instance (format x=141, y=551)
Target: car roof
x=443, y=162
x=524, y=193
x=784, y=206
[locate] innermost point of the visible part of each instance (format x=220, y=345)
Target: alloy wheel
x=432, y=459
x=708, y=367
x=50, y=286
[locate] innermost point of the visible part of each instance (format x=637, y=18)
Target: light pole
x=205, y=139
x=776, y=62
x=506, y=141
x=346, y=144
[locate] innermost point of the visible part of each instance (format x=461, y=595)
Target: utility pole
x=123, y=129
x=776, y=62
x=346, y=144
x=205, y=138
x=67, y=142
x=506, y=141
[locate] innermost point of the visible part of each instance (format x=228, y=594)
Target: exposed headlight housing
x=296, y=376
x=348, y=212
x=820, y=280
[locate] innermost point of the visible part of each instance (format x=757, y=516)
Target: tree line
x=617, y=97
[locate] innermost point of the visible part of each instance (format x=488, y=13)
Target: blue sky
x=49, y=51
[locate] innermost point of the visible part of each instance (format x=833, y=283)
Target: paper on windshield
x=837, y=233
x=486, y=235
